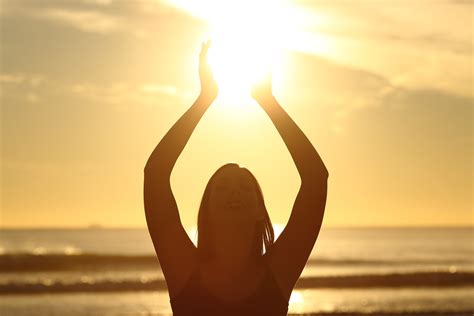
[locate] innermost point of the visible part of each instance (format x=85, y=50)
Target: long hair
x=264, y=235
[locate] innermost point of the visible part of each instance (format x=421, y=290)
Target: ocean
x=351, y=271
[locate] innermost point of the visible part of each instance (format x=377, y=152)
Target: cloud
x=34, y=87
x=99, y=2
x=310, y=79
x=11, y=78
x=123, y=94
x=409, y=49
x=159, y=89
x=33, y=80
x=21, y=86
x=84, y=20
x=343, y=91
x=91, y=16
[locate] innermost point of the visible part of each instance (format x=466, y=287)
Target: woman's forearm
x=307, y=160
x=166, y=153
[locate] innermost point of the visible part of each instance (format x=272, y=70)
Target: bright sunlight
x=240, y=56
x=247, y=41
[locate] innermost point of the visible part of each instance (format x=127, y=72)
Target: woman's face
x=234, y=197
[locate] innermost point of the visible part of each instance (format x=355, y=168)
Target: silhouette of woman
x=228, y=273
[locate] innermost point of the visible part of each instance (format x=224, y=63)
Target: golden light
x=296, y=298
x=240, y=56
x=247, y=39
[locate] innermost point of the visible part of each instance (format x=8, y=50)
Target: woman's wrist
x=267, y=101
x=204, y=99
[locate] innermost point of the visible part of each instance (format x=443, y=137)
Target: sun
x=246, y=46
x=239, y=59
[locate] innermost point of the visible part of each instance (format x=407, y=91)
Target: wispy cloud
x=99, y=2
x=91, y=16
x=33, y=80
x=33, y=88
x=123, y=94
x=84, y=20
x=11, y=78
x=12, y=83
x=112, y=94
x=409, y=49
x=159, y=89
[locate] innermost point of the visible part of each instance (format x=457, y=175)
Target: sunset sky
x=383, y=89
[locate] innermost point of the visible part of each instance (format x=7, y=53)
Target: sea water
x=397, y=271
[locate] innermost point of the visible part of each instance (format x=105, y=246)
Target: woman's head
x=233, y=203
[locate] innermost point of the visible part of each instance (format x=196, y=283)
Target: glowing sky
x=384, y=90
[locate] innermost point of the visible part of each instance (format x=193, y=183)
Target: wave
x=410, y=279
x=393, y=280
x=406, y=261
x=27, y=262
x=82, y=262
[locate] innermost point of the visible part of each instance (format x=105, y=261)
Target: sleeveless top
x=195, y=300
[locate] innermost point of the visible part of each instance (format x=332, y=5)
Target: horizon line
x=111, y=227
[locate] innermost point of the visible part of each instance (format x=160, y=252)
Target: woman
x=228, y=272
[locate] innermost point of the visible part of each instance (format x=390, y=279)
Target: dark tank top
x=195, y=300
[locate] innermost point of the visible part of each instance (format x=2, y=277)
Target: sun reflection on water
x=296, y=298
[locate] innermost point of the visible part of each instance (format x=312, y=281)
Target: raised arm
x=174, y=249
x=290, y=252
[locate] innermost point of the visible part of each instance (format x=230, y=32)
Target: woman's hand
x=262, y=91
x=208, y=84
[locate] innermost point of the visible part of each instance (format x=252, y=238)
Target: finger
x=203, y=48
x=208, y=44
x=203, y=53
